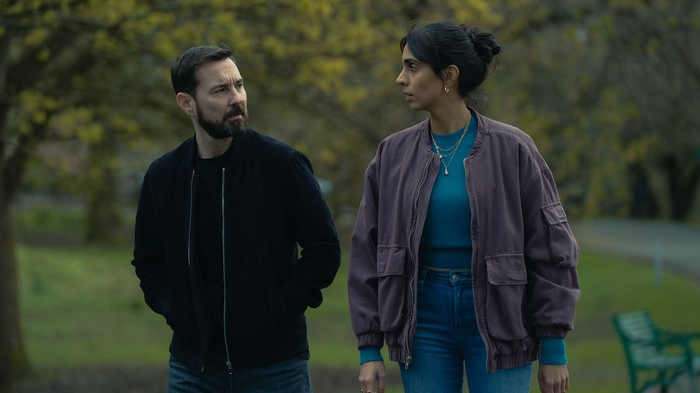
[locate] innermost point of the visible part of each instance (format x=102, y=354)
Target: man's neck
x=209, y=147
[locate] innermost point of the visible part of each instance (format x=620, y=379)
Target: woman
x=481, y=282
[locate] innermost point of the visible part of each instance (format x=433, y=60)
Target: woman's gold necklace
x=449, y=152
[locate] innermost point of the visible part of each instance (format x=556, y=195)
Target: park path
x=666, y=245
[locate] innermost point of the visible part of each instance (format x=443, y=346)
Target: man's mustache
x=237, y=110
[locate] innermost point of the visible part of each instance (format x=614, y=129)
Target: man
x=219, y=225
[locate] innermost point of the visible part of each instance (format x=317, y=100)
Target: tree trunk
x=682, y=183
x=13, y=358
x=644, y=203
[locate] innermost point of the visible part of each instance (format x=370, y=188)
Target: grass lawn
x=82, y=306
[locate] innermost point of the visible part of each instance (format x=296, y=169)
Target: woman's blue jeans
x=447, y=342
x=288, y=376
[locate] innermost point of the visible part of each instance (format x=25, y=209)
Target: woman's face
x=421, y=87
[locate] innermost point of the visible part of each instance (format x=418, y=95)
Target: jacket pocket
x=257, y=308
x=505, y=296
x=391, y=286
x=562, y=244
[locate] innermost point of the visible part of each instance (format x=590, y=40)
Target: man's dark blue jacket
x=273, y=207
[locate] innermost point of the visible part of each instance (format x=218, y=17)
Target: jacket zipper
x=481, y=333
x=189, y=224
x=189, y=237
x=412, y=281
x=229, y=366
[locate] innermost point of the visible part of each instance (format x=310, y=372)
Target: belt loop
x=422, y=276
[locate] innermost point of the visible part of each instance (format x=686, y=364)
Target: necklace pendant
x=446, y=172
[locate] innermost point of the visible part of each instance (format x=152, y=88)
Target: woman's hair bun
x=484, y=43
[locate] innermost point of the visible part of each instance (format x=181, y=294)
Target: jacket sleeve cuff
x=551, y=331
x=370, y=340
x=553, y=351
x=370, y=354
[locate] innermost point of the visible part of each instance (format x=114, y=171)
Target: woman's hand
x=372, y=375
x=553, y=378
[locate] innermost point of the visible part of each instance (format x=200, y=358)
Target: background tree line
x=607, y=88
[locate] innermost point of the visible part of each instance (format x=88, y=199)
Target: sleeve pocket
x=554, y=213
x=562, y=245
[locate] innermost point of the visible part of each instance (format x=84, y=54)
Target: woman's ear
x=186, y=103
x=450, y=77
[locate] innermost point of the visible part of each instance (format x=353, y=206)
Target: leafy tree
x=657, y=48
x=95, y=71
x=606, y=88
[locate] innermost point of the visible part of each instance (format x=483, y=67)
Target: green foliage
x=592, y=84
x=605, y=88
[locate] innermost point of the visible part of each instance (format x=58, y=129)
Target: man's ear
x=186, y=103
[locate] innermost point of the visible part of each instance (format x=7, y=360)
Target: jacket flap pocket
x=506, y=269
x=554, y=213
x=390, y=260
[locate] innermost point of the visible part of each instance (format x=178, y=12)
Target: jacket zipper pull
x=408, y=362
x=230, y=367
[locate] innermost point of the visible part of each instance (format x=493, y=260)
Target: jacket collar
x=238, y=146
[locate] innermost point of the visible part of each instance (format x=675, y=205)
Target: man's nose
x=236, y=97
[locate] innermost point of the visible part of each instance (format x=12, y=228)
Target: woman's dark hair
x=183, y=72
x=442, y=44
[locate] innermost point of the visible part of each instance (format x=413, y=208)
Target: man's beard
x=221, y=129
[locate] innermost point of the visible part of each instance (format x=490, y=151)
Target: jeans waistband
x=454, y=277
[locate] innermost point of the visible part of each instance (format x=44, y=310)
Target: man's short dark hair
x=183, y=72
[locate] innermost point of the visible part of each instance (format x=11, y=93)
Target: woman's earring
x=447, y=89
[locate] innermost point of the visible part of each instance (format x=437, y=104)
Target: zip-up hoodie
x=272, y=206
x=524, y=254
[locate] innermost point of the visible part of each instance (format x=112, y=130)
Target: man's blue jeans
x=447, y=342
x=288, y=376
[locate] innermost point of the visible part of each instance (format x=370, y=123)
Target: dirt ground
x=153, y=380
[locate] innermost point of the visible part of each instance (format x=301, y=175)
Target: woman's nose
x=400, y=78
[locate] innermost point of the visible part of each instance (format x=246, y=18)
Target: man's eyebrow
x=217, y=86
x=224, y=84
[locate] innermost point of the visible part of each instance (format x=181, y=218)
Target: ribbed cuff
x=553, y=351
x=370, y=354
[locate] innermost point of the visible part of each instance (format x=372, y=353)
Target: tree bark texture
x=13, y=358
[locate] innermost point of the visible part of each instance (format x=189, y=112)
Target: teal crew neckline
x=446, y=242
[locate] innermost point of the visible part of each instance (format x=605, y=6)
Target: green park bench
x=656, y=357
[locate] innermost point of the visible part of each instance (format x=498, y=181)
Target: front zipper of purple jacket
x=478, y=325
x=223, y=257
x=413, y=287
